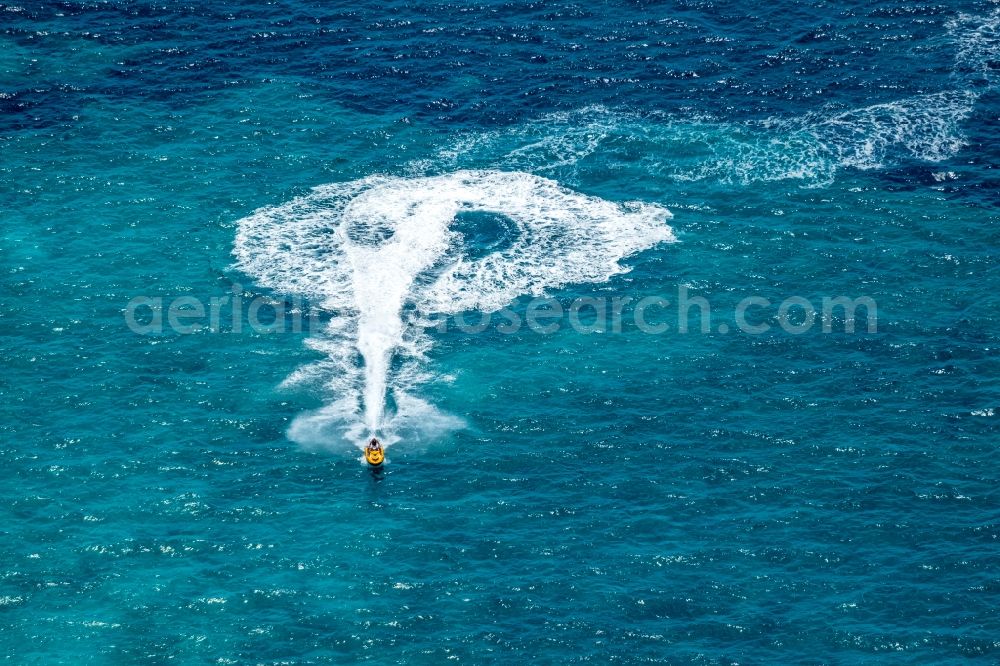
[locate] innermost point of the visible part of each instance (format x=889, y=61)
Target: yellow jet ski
x=374, y=453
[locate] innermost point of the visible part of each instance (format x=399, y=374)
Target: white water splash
x=367, y=249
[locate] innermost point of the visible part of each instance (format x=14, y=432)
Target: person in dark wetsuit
x=374, y=453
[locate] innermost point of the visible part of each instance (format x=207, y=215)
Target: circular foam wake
x=366, y=248
x=312, y=245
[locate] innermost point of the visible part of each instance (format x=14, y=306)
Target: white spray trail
x=383, y=276
x=368, y=248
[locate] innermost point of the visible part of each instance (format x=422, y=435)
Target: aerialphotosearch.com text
x=681, y=312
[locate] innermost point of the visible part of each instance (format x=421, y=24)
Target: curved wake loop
x=369, y=249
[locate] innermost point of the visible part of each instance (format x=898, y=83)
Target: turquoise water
x=619, y=496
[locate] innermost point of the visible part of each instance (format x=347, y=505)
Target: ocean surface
x=368, y=198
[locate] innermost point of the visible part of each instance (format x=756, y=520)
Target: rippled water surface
x=590, y=495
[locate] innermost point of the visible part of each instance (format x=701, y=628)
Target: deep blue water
x=621, y=496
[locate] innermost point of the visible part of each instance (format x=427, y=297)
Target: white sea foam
x=367, y=249
x=811, y=148
x=977, y=40
x=928, y=127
